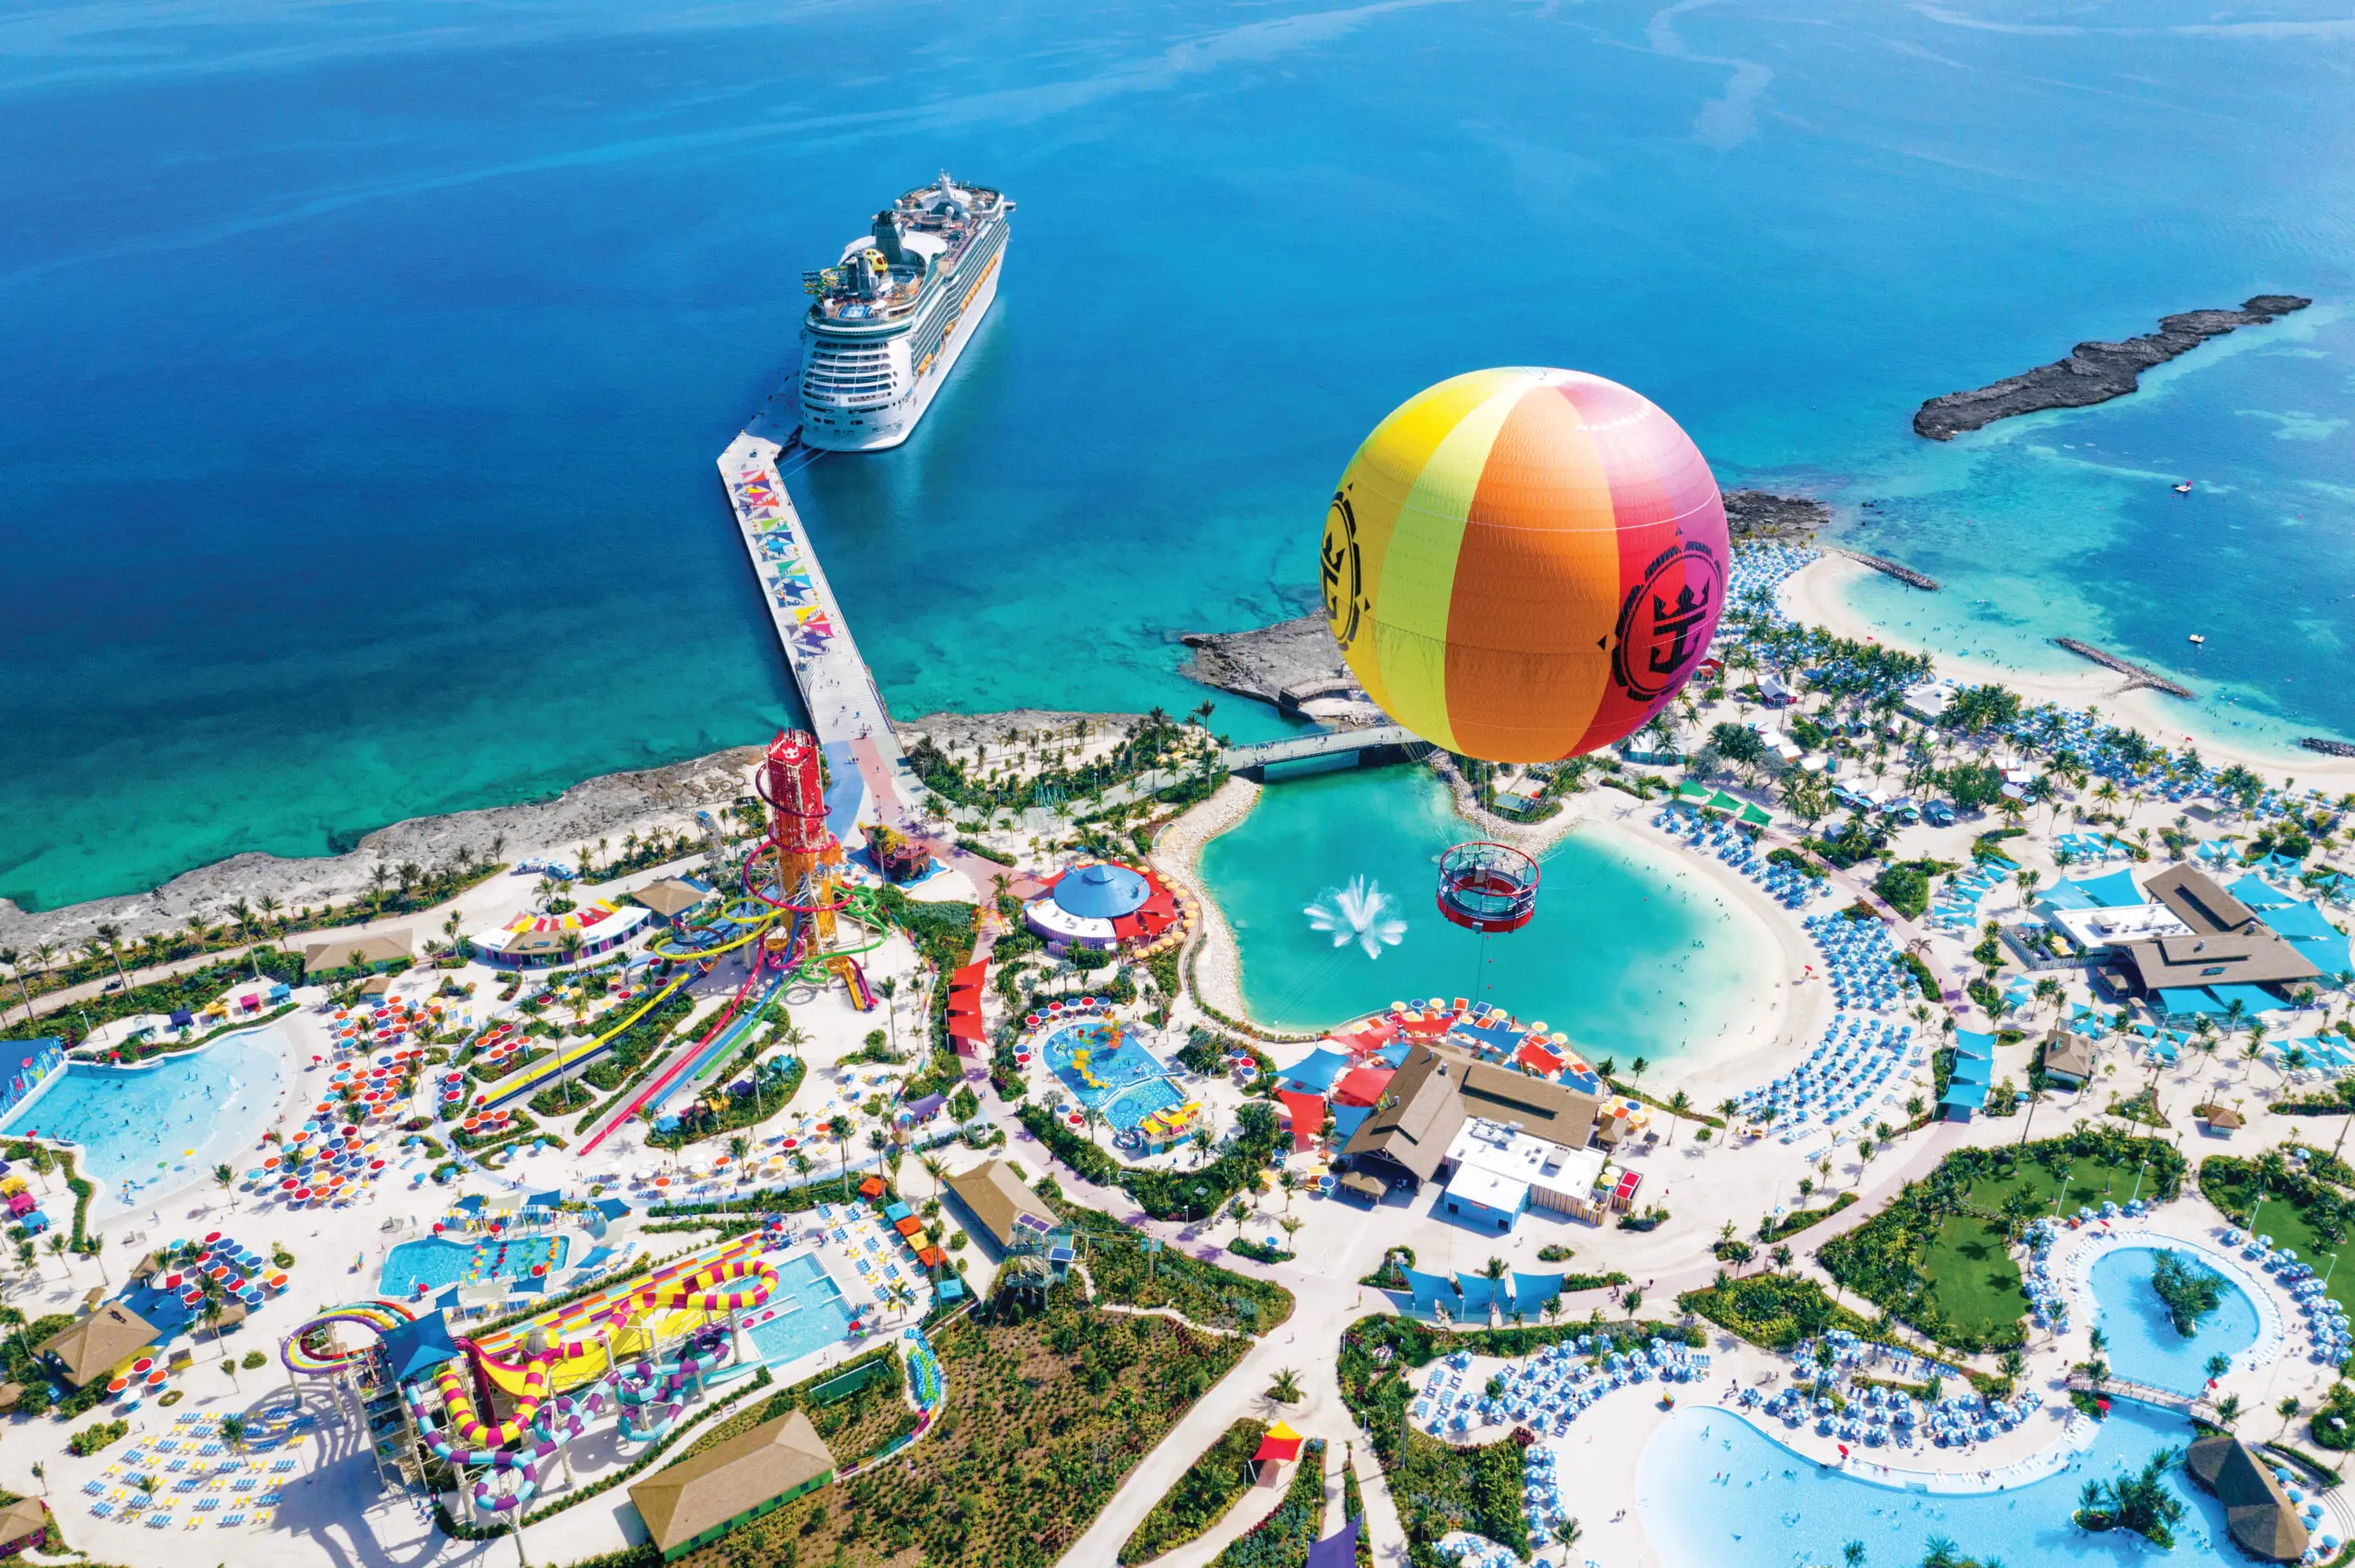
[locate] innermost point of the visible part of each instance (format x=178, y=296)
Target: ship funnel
x=887, y=239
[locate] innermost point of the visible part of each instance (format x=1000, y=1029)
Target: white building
x=1494, y=1171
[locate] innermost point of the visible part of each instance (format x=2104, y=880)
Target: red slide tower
x=808, y=856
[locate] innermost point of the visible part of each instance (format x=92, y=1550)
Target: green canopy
x=1755, y=816
x=1688, y=790
x=1721, y=801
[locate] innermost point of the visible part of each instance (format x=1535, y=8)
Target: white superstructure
x=893, y=315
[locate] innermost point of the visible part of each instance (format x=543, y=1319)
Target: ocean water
x=1627, y=954
x=367, y=364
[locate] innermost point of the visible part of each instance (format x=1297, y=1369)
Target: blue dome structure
x=1101, y=892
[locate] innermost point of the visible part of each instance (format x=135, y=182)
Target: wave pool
x=143, y=1131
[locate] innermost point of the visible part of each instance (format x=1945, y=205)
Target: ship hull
x=881, y=428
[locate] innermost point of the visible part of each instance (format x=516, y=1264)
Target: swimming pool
x=1716, y=1492
x=809, y=1312
x=437, y=1262
x=2143, y=1346
x=143, y=1131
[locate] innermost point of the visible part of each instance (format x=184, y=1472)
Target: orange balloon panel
x=1523, y=564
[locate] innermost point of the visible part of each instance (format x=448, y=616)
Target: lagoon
x=1631, y=953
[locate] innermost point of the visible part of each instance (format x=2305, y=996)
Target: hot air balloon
x=1521, y=565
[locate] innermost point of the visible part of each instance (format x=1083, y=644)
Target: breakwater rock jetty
x=2136, y=675
x=2326, y=745
x=1292, y=665
x=1762, y=515
x=1897, y=569
x=2094, y=373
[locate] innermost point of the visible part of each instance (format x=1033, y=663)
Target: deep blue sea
x=365, y=363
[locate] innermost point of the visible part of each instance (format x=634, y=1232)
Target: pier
x=2136, y=675
x=1381, y=743
x=1888, y=567
x=837, y=689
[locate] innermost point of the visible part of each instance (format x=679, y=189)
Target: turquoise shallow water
x=1775, y=1510
x=368, y=362
x=2144, y=1345
x=163, y=1125
x=1629, y=956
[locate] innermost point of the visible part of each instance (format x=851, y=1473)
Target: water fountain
x=1361, y=913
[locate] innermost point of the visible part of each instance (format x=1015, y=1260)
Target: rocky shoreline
x=604, y=807
x=2094, y=373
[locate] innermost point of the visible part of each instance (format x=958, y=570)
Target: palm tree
x=1568, y=1533
x=888, y=990
x=1285, y=1389
x=838, y=1127
x=935, y=1168
x=233, y=1432
x=1290, y=1226
x=13, y=961
x=1679, y=1106
x=110, y=944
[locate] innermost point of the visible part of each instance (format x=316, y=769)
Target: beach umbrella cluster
x=1861, y=962
x=1548, y=1391
x=1854, y=1062
x=1785, y=885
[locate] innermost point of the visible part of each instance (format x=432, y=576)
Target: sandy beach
x=1818, y=595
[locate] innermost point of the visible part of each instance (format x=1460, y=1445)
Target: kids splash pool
x=807, y=1312
x=147, y=1129
x=435, y=1263
x=1106, y=1068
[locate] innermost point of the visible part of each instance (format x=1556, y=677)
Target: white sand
x=1819, y=595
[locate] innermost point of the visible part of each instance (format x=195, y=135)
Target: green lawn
x=1974, y=1280
x=2280, y=1219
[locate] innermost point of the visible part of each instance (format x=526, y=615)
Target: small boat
x=2184, y=488
x=2198, y=641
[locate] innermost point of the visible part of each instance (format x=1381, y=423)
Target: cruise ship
x=891, y=316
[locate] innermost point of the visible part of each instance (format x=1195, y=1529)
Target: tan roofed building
x=993, y=1195
x=375, y=949
x=1437, y=1087
x=702, y=1497
x=671, y=898
x=2070, y=1057
x=2227, y=944
x=95, y=1345
x=2259, y=1514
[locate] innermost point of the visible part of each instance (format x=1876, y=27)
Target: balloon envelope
x=1521, y=565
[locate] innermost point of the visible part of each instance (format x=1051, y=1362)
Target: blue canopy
x=1969, y=1068
x=1430, y=1291
x=1314, y=1072
x=2114, y=891
x=1970, y=1097
x=2066, y=896
x=2258, y=894
x=1495, y=1037
x=1970, y=1043
x=1479, y=1294
x=2254, y=1000
x=2183, y=1002
x=414, y=1349
x=1339, y=1551
x=549, y=1199
x=1347, y=1119
x=1395, y=1053
x=1100, y=892
x=2301, y=922
x=1532, y=1291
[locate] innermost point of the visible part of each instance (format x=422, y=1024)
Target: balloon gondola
x=1488, y=888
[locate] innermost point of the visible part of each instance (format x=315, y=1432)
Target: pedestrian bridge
x=1381, y=743
x=2193, y=1405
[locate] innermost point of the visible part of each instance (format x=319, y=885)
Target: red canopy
x=965, y=1006
x=1363, y=1085
x=1538, y=1059
x=1281, y=1444
x=1307, y=1115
